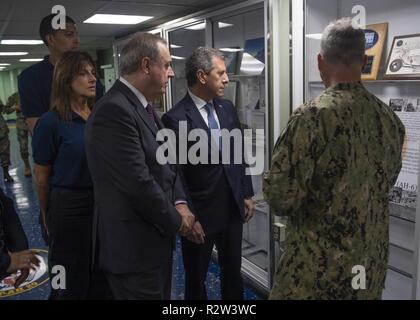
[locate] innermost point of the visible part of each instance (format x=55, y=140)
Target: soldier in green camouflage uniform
x=332, y=169
x=22, y=132
x=5, y=142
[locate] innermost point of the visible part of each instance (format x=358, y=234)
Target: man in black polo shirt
x=35, y=82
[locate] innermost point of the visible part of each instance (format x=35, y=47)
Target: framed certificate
x=404, y=58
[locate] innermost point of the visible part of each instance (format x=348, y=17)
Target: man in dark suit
x=140, y=204
x=220, y=194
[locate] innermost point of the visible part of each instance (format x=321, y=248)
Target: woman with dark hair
x=63, y=180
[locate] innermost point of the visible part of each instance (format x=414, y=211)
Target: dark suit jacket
x=135, y=220
x=202, y=182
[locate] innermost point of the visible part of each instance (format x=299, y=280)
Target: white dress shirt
x=138, y=94
x=200, y=103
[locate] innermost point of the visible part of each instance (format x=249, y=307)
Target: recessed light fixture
x=200, y=26
x=231, y=49
x=13, y=53
x=4, y=64
x=21, y=42
x=31, y=60
x=224, y=25
x=154, y=31
x=177, y=58
x=116, y=19
x=316, y=36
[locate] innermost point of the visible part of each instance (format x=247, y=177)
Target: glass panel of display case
x=241, y=38
x=182, y=43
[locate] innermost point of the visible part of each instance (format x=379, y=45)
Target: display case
x=402, y=93
x=240, y=36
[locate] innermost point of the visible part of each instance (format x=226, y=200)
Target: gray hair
x=342, y=44
x=201, y=58
x=139, y=46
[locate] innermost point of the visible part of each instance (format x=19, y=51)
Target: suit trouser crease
x=197, y=257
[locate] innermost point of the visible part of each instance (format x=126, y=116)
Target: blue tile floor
x=23, y=193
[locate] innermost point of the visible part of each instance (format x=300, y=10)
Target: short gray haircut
x=343, y=44
x=201, y=58
x=137, y=47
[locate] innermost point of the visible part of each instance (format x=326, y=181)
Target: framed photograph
x=375, y=35
x=231, y=61
x=396, y=104
x=404, y=58
x=255, y=47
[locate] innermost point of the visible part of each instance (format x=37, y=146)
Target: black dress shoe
x=8, y=178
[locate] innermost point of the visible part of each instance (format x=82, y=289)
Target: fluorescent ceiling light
x=224, y=25
x=13, y=53
x=4, y=64
x=154, y=31
x=31, y=60
x=177, y=58
x=200, y=26
x=316, y=36
x=231, y=49
x=174, y=46
x=28, y=42
x=116, y=19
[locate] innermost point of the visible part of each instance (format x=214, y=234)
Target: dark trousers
x=197, y=258
x=154, y=284
x=69, y=222
x=44, y=233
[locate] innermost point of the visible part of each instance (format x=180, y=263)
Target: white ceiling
x=19, y=19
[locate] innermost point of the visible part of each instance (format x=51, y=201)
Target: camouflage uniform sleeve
x=10, y=109
x=285, y=186
x=7, y=109
x=402, y=141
